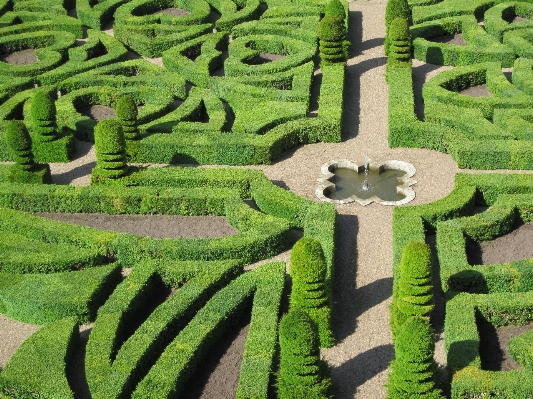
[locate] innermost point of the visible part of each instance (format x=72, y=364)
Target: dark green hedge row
x=180, y=358
x=98, y=15
x=481, y=46
x=427, y=10
x=494, y=17
x=115, y=373
x=462, y=344
x=17, y=22
x=44, y=298
x=38, y=367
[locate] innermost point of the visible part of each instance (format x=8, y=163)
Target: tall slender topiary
x=43, y=116
x=110, y=150
x=413, y=294
x=25, y=170
x=395, y=9
x=331, y=36
x=413, y=372
x=399, y=44
x=300, y=372
x=335, y=8
x=126, y=111
x=308, y=273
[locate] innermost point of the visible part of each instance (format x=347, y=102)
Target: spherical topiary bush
x=335, y=8
x=110, y=149
x=399, y=54
x=19, y=142
x=299, y=373
x=414, y=293
x=43, y=116
x=413, y=372
x=395, y=9
x=126, y=111
x=308, y=273
x=331, y=35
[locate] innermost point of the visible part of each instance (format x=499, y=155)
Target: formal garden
x=127, y=124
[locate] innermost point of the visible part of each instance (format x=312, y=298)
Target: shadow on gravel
x=73, y=174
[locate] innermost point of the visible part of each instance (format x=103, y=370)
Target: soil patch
x=456, y=39
x=174, y=12
x=494, y=345
x=513, y=246
x=99, y=112
x=155, y=226
x=477, y=91
x=23, y=57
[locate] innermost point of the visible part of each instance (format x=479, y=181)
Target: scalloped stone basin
x=386, y=184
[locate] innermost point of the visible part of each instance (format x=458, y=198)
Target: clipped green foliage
x=395, y=9
x=110, y=150
x=413, y=294
x=335, y=8
x=399, y=54
x=331, y=35
x=299, y=373
x=308, y=271
x=19, y=142
x=127, y=116
x=43, y=116
x=413, y=371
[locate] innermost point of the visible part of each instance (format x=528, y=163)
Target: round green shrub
x=397, y=9
x=330, y=29
x=335, y=8
x=299, y=367
x=110, y=149
x=399, y=53
x=19, y=142
x=413, y=372
x=43, y=116
x=126, y=111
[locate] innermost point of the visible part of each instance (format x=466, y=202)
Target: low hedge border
x=17, y=22
x=494, y=18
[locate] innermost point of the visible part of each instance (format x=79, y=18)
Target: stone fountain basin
x=327, y=183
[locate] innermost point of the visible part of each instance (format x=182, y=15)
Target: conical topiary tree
x=25, y=170
x=300, y=371
x=335, y=8
x=43, y=117
x=413, y=372
x=399, y=44
x=126, y=111
x=331, y=37
x=395, y=9
x=308, y=272
x=413, y=294
x=110, y=150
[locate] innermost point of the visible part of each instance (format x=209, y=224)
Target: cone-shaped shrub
x=395, y=9
x=331, y=35
x=308, y=273
x=299, y=373
x=127, y=116
x=110, y=149
x=19, y=142
x=335, y=8
x=399, y=44
x=413, y=371
x=43, y=116
x=414, y=292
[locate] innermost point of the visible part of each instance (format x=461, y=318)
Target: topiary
x=308, y=273
x=414, y=291
x=300, y=373
x=399, y=54
x=110, y=149
x=413, y=372
x=335, y=8
x=25, y=170
x=43, y=116
x=126, y=111
x=331, y=35
x=395, y=9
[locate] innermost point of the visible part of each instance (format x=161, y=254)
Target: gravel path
x=364, y=252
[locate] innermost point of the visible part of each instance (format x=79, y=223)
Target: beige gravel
x=364, y=250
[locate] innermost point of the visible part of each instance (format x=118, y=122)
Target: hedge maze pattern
x=219, y=99
x=484, y=132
